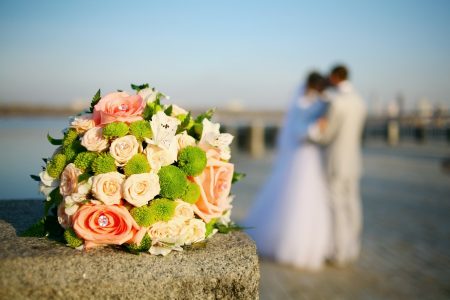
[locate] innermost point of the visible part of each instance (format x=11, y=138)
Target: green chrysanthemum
x=69, y=137
x=136, y=165
x=72, y=150
x=56, y=165
x=192, y=160
x=162, y=210
x=141, y=129
x=104, y=163
x=144, y=246
x=172, y=181
x=192, y=193
x=72, y=239
x=84, y=160
x=142, y=215
x=115, y=129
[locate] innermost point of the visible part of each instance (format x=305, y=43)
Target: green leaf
x=35, y=177
x=53, y=141
x=36, y=230
x=53, y=228
x=150, y=110
x=168, y=111
x=55, y=199
x=227, y=229
x=95, y=100
x=206, y=115
x=237, y=176
x=84, y=177
x=137, y=88
x=185, y=123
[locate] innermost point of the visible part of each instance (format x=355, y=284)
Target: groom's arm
x=320, y=133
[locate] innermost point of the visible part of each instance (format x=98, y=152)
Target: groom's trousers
x=347, y=218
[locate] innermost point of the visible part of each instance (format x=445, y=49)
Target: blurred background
x=246, y=58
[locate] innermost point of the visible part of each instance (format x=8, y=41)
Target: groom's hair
x=340, y=71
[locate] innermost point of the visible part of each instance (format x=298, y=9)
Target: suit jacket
x=343, y=133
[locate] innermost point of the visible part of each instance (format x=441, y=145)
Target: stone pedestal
x=36, y=268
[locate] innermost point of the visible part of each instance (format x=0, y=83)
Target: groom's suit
x=345, y=122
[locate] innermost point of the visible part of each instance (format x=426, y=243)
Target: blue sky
x=211, y=53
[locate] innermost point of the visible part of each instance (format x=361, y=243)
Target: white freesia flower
x=139, y=189
x=164, y=129
x=161, y=249
x=72, y=202
x=176, y=111
x=184, y=140
x=48, y=184
x=183, y=210
x=211, y=137
x=124, y=148
x=149, y=94
x=225, y=219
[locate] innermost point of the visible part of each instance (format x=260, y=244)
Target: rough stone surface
x=37, y=268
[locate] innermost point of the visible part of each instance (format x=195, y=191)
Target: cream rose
x=159, y=157
x=69, y=180
x=185, y=140
x=195, y=231
x=82, y=123
x=107, y=187
x=139, y=189
x=93, y=140
x=124, y=148
x=184, y=210
x=166, y=236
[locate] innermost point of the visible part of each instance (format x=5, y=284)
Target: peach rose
x=139, y=189
x=93, y=140
x=118, y=107
x=69, y=180
x=124, y=148
x=215, y=186
x=104, y=225
x=82, y=123
x=107, y=187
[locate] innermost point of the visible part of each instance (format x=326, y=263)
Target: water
x=23, y=145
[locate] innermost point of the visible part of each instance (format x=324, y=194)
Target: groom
x=341, y=133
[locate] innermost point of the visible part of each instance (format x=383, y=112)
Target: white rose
x=139, y=189
x=159, y=157
x=82, y=123
x=184, y=140
x=184, y=210
x=124, y=148
x=93, y=140
x=107, y=187
x=195, y=231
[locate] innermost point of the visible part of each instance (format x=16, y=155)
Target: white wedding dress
x=290, y=220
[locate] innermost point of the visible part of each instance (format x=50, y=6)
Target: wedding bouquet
x=133, y=172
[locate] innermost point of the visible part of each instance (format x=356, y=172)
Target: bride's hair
x=315, y=81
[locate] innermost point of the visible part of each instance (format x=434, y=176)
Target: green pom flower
x=56, y=165
x=69, y=137
x=115, y=129
x=104, y=163
x=172, y=181
x=192, y=193
x=141, y=129
x=72, y=239
x=72, y=150
x=162, y=210
x=136, y=165
x=142, y=215
x=144, y=246
x=192, y=160
x=84, y=160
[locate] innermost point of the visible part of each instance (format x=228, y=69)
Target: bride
x=290, y=220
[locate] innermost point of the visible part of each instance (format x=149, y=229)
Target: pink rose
x=215, y=186
x=105, y=225
x=118, y=107
x=69, y=180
